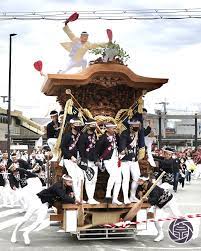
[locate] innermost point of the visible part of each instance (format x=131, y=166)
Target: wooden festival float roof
x=103, y=88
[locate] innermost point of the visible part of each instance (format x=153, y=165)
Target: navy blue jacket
x=56, y=192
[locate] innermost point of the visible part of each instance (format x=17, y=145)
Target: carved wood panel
x=100, y=100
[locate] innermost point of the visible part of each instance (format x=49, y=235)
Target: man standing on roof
x=78, y=46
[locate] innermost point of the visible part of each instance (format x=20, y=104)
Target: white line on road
x=9, y=223
x=9, y=212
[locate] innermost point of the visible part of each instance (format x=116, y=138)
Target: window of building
x=3, y=119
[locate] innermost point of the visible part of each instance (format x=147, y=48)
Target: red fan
x=109, y=34
x=38, y=65
x=72, y=18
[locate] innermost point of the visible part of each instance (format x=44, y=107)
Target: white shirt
x=75, y=48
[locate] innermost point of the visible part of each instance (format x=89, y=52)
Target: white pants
x=126, y=168
x=22, y=198
x=198, y=171
x=33, y=187
x=51, y=143
x=90, y=186
x=34, y=207
x=24, y=195
x=76, y=174
x=135, y=174
x=148, y=143
x=72, y=63
x=171, y=207
x=6, y=196
x=115, y=178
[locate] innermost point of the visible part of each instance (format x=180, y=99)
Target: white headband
x=72, y=121
x=91, y=123
x=143, y=178
x=65, y=177
x=110, y=125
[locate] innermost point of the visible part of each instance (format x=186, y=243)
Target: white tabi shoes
x=26, y=239
x=117, y=202
x=159, y=237
x=93, y=202
x=134, y=199
x=127, y=201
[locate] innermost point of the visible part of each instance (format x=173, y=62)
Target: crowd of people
x=15, y=174
x=180, y=166
x=24, y=184
x=23, y=177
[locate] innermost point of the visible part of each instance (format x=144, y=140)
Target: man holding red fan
x=79, y=45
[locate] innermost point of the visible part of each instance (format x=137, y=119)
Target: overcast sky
x=161, y=48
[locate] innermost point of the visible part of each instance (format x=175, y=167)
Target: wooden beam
x=101, y=206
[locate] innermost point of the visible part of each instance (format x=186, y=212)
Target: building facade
x=177, y=130
x=23, y=131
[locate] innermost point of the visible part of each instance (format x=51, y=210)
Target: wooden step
x=56, y=217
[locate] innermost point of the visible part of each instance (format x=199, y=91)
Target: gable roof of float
x=106, y=74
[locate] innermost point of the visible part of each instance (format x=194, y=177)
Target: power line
x=142, y=14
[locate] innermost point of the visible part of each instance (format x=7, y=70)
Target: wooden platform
x=95, y=216
x=102, y=206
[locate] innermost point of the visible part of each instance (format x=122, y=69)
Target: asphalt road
x=48, y=238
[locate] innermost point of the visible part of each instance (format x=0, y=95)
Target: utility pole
x=164, y=104
x=159, y=131
x=9, y=95
x=196, y=131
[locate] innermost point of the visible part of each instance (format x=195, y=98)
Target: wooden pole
x=68, y=92
x=80, y=215
x=196, y=131
x=135, y=209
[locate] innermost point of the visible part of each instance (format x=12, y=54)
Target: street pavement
x=49, y=237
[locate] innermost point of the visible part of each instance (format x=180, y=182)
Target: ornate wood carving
x=100, y=100
x=108, y=80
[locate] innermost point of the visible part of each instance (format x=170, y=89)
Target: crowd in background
x=181, y=166
x=16, y=171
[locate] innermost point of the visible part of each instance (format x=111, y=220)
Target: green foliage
x=121, y=54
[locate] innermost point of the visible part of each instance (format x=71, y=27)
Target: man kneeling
x=60, y=191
